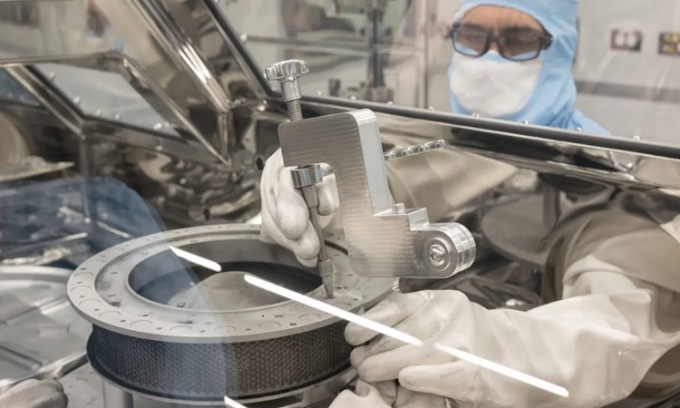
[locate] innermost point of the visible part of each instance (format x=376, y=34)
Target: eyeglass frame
x=545, y=41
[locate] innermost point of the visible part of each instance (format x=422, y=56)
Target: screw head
x=289, y=70
x=437, y=255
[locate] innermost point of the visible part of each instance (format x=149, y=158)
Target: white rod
x=196, y=259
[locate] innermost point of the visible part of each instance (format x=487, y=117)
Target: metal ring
x=190, y=354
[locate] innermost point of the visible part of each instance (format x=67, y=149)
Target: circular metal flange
x=256, y=352
x=100, y=289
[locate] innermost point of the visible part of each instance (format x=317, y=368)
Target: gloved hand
x=598, y=346
x=364, y=396
x=34, y=394
x=386, y=395
x=285, y=216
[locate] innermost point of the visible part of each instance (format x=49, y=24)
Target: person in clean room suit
x=612, y=327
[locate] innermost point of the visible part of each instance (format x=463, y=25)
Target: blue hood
x=552, y=103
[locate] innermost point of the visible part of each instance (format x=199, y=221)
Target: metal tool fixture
x=143, y=343
x=384, y=239
x=306, y=176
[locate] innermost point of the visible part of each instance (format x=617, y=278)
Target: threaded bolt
x=287, y=74
x=294, y=110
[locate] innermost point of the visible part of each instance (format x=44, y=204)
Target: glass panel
x=32, y=30
x=623, y=67
x=104, y=95
x=354, y=46
x=626, y=69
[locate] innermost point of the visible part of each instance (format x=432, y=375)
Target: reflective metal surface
x=382, y=241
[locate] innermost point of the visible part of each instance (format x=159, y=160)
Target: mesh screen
x=210, y=371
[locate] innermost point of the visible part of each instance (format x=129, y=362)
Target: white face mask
x=492, y=86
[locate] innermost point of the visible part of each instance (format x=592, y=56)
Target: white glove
x=599, y=346
x=386, y=395
x=364, y=396
x=34, y=394
x=285, y=216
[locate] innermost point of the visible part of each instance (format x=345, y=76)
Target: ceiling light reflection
x=196, y=259
x=230, y=403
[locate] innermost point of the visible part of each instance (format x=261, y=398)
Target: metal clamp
x=384, y=240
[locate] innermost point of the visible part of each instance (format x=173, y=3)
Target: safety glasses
x=513, y=44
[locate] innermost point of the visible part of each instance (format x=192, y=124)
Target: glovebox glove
x=34, y=394
x=598, y=346
x=285, y=216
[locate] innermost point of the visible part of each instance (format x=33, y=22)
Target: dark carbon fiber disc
x=240, y=370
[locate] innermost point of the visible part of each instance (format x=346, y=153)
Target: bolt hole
x=293, y=324
x=248, y=329
x=81, y=296
x=96, y=310
x=202, y=331
x=159, y=328
x=80, y=283
x=122, y=321
x=145, y=315
x=114, y=273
